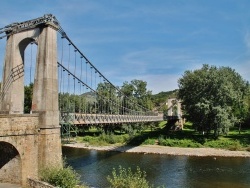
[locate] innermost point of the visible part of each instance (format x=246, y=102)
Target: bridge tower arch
x=10, y=162
x=38, y=133
x=45, y=92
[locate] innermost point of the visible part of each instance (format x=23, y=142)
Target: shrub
x=129, y=129
x=149, y=141
x=111, y=138
x=86, y=138
x=236, y=146
x=60, y=177
x=225, y=144
x=126, y=178
x=178, y=143
x=161, y=140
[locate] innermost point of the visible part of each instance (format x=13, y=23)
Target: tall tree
x=213, y=98
x=107, y=100
x=137, y=92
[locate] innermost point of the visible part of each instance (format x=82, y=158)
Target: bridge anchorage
x=68, y=91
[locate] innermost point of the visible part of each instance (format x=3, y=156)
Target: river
x=169, y=171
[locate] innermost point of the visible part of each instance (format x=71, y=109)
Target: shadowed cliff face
x=7, y=153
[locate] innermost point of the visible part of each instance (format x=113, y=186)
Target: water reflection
x=171, y=171
x=218, y=172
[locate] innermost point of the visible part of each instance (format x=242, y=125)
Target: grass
x=158, y=135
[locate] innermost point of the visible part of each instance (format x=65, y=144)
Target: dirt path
x=166, y=150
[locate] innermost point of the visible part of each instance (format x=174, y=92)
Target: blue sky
x=150, y=40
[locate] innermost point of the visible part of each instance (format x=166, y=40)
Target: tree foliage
x=160, y=99
x=214, y=98
x=28, y=92
x=106, y=99
x=76, y=103
x=137, y=90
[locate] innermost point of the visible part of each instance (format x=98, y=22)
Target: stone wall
x=22, y=133
x=34, y=147
x=14, y=125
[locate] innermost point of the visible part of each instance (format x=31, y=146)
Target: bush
x=110, y=138
x=129, y=129
x=149, y=141
x=225, y=144
x=105, y=139
x=187, y=143
x=236, y=146
x=126, y=178
x=60, y=177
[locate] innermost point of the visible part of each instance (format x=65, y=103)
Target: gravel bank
x=165, y=150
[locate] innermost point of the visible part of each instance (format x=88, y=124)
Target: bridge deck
x=85, y=119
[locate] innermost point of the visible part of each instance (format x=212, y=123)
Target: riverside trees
x=214, y=98
x=137, y=90
x=106, y=99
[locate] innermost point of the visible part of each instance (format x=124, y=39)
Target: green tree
x=213, y=98
x=141, y=93
x=136, y=92
x=28, y=92
x=107, y=100
x=246, y=121
x=74, y=103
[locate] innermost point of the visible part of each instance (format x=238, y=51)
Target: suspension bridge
x=67, y=90
x=77, y=77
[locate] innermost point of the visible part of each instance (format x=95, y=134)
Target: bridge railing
x=91, y=119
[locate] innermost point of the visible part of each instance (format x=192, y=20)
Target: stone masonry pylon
x=43, y=129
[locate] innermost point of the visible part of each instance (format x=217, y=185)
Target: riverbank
x=155, y=149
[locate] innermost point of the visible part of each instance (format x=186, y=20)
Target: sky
x=151, y=40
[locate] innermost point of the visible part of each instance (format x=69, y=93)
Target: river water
x=169, y=171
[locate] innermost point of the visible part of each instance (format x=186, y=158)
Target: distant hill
x=90, y=96
x=161, y=98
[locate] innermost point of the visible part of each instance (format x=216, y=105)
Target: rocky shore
x=155, y=149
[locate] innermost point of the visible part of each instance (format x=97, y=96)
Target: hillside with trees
x=159, y=100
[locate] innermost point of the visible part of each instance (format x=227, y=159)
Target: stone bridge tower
x=29, y=142
x=174, y=113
